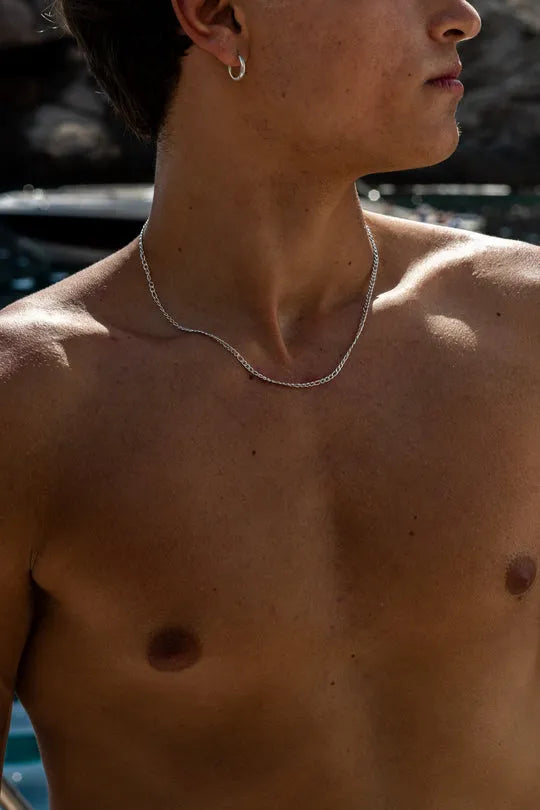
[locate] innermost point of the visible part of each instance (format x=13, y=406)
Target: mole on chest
x=173, y=648
x=520, y=574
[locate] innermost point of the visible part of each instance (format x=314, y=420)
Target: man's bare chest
x=219, y=543
x=404, y=484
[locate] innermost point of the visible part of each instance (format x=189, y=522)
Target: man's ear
x=214, y=25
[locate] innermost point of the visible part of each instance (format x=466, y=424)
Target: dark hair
x=133, y=50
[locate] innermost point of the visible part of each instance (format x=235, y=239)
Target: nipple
x=520, y=574
x=173, y=648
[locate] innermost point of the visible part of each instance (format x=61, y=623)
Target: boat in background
x=107, y=217
x=98, y=217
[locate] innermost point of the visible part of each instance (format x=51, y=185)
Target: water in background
x=22, y=763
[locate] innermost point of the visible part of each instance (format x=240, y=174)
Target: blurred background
x=76, y=186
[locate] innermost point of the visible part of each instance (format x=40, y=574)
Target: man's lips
x=451, y=73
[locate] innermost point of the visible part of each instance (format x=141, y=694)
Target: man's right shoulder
x=49, y=344
x=39, y=326
x=33, y=374
x=33, y=386
x=29, y=342
x=39, y=359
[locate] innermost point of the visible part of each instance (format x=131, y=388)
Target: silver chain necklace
x=237, y=354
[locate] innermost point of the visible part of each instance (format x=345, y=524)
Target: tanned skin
x=221, y=593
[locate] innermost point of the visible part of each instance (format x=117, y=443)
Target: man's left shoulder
x=507, y=272
x=509, y=264
x=492, y=276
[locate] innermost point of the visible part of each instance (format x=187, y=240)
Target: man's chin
x=440, y=150
x=427, y=151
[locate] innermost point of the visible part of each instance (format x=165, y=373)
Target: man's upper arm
x=528, y=263
x=23, y=362
x=521, y=292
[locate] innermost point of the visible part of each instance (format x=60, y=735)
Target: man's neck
x=264, y=251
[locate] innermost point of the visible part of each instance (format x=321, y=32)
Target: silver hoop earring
x=242, y=69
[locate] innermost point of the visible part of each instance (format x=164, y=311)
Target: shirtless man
x=219, y=593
